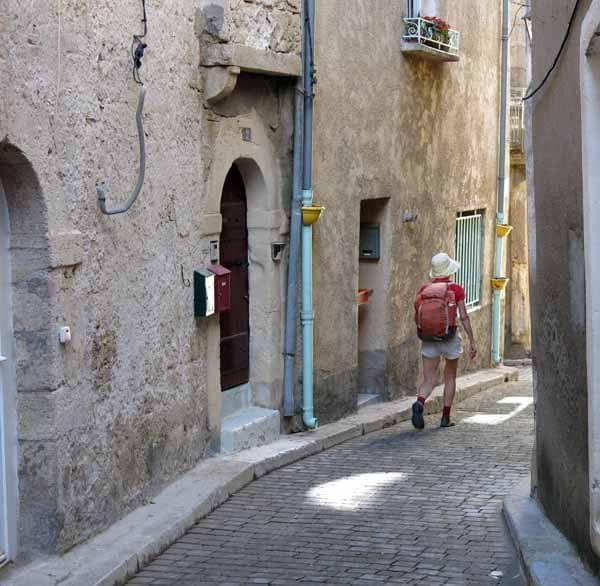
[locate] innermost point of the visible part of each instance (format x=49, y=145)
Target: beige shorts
x=450, y=349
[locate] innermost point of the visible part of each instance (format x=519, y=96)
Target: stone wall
x=558, y=321
x=267, y=25
x=109, y=419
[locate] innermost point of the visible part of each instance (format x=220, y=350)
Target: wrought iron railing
x=517, y=125
x=424, y=31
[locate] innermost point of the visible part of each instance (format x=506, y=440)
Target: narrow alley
x=250, y=248
x=393, y=507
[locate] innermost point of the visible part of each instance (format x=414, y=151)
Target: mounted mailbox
x=369, y=242
x=204, y=293
x=222, y=288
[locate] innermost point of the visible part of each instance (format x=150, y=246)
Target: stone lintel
x=210, y=224
x=251, y=60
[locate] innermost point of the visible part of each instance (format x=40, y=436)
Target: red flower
x=440, y=24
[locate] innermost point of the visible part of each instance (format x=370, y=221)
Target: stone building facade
x=414, y=144
x=94, y=426
x=518, y=319
x=564, y=181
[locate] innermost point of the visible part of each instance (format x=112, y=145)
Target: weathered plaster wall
x=423, y=134
x=518, y=320
x=110, y=418
x=558, y=324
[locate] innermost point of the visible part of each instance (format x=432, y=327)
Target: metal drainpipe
x=289, y=352
x=307, y=316
x=500, y=214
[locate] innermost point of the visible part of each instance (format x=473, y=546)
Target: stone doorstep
x=118, y=553
x=249, y=428
x=547, y=557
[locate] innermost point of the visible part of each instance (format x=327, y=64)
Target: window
x=414, y=8
x=469, y=253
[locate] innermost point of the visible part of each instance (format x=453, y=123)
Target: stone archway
x=590, y=108
x=30, y=499
x=266, y=223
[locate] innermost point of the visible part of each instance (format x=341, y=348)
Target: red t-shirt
x=459, y=292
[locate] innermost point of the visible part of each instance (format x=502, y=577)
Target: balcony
x=423, y=37
x=517, y=126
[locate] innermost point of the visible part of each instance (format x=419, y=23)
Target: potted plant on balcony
x=438, y=30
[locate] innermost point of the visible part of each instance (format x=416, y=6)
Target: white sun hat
x=443, y=266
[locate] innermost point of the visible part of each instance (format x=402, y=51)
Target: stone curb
x=119, y=552
x=547, y=557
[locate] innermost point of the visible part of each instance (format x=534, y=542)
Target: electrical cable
x=556, y=59
x=137, y=53
x=137, y=48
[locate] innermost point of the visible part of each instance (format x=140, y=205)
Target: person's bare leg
x=430, y=376
x=430, y=371
x=450, y=369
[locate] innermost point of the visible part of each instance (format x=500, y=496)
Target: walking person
x=436, y=309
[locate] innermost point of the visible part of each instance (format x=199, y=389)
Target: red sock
x=446, y=412
x=421, y=400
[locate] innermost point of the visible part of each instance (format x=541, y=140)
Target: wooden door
x=235, y=324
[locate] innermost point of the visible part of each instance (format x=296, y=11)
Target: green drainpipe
x=499, y=281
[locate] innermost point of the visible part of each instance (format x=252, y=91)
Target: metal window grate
x=516, y=123
x=469, y=252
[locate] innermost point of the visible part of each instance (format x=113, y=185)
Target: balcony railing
x=423, y=37
x=517, y=126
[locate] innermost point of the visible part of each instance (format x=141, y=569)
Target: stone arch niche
x=32, y=454
x=267, y=223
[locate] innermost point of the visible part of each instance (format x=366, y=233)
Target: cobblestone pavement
x=394, y=507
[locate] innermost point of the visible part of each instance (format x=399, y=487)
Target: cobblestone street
x=394, y=507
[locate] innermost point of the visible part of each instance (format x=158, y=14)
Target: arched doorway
x=28, y=500
x=235, y=324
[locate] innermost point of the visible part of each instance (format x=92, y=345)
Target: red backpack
x=435, y=312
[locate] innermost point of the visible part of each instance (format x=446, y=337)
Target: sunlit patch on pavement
x=351, y=492
x=496, y=419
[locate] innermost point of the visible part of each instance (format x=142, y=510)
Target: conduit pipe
x=307, y=316
x=500, y=212
x=101, y=189
x=289, y=353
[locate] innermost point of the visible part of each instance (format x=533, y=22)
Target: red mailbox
x=222, y=287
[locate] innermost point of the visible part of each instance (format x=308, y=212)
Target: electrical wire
x=556, y=59
x=137, y=48
x=137, y=53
